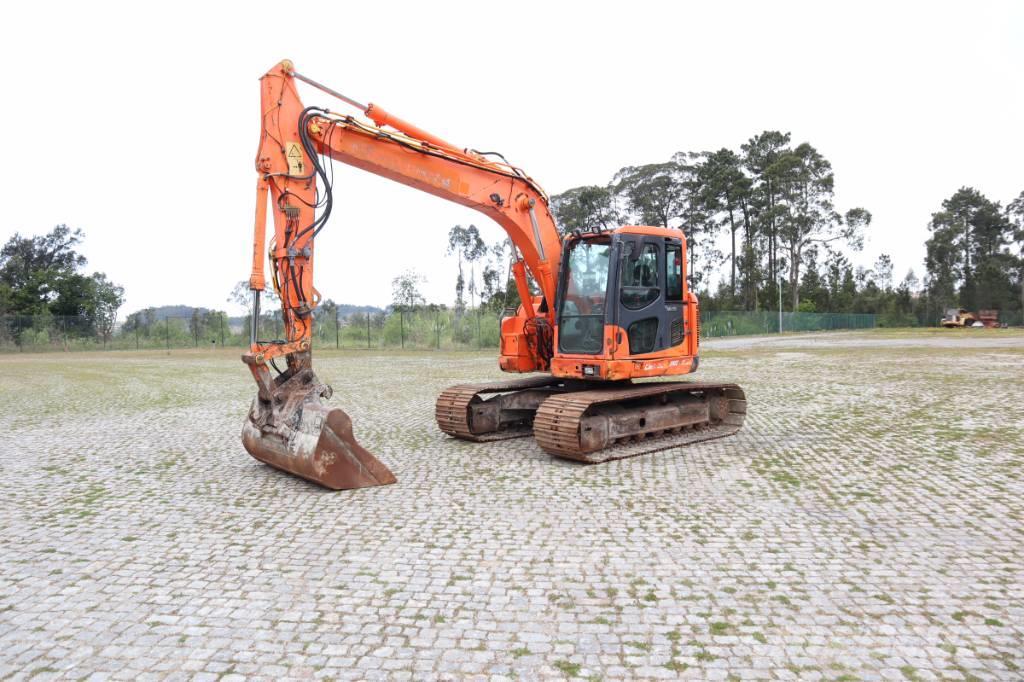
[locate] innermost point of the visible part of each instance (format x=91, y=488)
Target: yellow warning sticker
x=296, y=164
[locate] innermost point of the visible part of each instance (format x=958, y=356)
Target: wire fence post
x=64, y=328
x=221, y=316
x=167, y=333
x=367, y=331
x=780, y=301
x=337, y=329
x=136, y=335
x=437, y=328
x=401, y=323
x=479, y=341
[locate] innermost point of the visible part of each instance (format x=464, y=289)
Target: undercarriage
x=576, y=420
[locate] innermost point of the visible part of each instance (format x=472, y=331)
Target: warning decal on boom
x=293, y=152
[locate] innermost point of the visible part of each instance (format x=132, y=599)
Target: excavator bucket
x=291, y=428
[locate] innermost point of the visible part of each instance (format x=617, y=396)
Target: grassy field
x=867, y=522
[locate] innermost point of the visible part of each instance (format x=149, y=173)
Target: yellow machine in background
x=959, y=317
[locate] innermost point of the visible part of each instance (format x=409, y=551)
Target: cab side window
x=640, y=279
x=673, y=272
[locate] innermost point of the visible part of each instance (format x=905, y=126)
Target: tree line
x=773, y=202
x=43, y=277
x=975, y=254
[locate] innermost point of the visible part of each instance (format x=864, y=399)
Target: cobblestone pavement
x=867, y=523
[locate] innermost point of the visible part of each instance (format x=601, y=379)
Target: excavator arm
x=292, y=177
x=290, y=425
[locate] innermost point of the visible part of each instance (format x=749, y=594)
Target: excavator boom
x=290, y=426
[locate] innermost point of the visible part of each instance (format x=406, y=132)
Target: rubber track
x=452, y=407
x=557, y=423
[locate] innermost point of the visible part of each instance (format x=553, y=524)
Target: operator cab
x=631, y=278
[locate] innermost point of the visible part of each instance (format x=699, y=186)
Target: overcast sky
x=139, y=123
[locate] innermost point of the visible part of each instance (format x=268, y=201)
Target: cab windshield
x=581, y=318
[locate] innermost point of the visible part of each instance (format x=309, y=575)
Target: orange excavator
x=611, y=306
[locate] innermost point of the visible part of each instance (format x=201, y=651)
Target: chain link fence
x=716, y=323
x=418, y=329
x=1011, y=319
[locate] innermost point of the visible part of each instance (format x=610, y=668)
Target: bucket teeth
x=292, y=429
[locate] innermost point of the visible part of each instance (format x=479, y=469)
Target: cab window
x=673, y=272
x=640, y=279
x=581, y=318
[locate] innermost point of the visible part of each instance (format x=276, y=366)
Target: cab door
x=650, y=294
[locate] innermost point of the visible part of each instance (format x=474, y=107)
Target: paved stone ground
x=868, y=523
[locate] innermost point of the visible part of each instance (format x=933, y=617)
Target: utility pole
x=779, y=273
x=337, y=329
